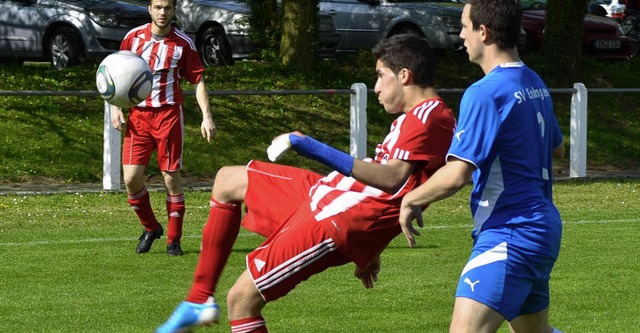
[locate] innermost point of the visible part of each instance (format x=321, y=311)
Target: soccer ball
x=124, y=79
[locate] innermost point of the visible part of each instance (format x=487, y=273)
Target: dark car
x=362, y=23
x=65, y=31
x=603, y=37
x=221, y=30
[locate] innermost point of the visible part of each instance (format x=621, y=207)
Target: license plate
x=607, y=44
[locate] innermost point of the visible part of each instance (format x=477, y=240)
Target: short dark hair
x=175, y=3
x=502, y=17
x=411, y=52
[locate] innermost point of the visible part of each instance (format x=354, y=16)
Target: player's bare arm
x=558, y=152
x=208, y=127
x=387, y=177
x=117, y=117
x=446, y=182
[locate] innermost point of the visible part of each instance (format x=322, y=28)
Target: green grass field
x=68, y=265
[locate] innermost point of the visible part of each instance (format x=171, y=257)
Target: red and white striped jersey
x=363, y=219
x=170, y=58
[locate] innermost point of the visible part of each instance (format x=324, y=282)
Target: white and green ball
x=124, y=79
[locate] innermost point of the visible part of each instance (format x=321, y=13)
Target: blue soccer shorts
x=508, y=273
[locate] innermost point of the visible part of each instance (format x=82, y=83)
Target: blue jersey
x=507, y=129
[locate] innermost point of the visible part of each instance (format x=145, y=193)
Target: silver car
x=362, y=23
x=65, y=31
x=220, y=30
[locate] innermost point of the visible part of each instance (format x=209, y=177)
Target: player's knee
x=234, y=297
x=133, y=182
x=172, y=180
x=230, y=184
x=243, y=299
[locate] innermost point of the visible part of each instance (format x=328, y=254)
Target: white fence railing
x=358, y=130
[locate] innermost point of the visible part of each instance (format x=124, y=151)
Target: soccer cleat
x=147, y=238
x=174, y=249
x=188, y=315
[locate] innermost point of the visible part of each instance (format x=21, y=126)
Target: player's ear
x=485, y=34
x=405, y=75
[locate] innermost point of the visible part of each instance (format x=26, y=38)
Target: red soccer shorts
x=149, y=129
x=299, y=249
x=274, y=193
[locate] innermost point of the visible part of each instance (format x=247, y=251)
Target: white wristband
x=278, y=147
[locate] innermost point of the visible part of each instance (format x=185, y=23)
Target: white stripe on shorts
x=295, y=264
x=496, y=254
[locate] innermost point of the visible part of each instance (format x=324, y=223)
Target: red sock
x=218, y=237
x=175, y=212
x=249, y=325
x=141, y=204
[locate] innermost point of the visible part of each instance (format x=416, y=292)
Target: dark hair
x=411, y=52
x=502, y=17
x=175, y=3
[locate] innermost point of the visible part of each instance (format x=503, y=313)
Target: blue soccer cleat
x=188, y=315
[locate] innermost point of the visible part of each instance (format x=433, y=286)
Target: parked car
x=603, y=37
x=614, y=8
x=362, y=23
x=64, y=32
x=221, y=29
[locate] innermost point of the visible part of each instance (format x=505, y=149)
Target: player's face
x=162, y=13
x=389, y=89
x=472, y=38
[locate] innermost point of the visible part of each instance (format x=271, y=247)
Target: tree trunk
x=563, y=38
x=299, y=33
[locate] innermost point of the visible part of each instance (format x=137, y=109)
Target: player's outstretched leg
x=188, y=315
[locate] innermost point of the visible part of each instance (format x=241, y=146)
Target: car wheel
x=65, y=48
x=214, y=48
x=629, y=27
x=407, y=29
x=537, y=5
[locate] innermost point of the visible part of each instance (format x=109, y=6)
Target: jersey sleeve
x=425, y=134
x=478, y=126
x=192, y=68
x=126, y=43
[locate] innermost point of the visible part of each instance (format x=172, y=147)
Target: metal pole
x=578, y=135
x=358, y=121
x=111, y=157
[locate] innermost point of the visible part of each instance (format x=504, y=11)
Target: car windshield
x=601, y=2
x=534, y=4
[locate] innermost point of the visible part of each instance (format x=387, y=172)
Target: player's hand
x=408, y=213
x=117, y=118
x=208, y=128
x=369, y=274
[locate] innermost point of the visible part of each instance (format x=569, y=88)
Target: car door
x=357, y=21
x=20, y=27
